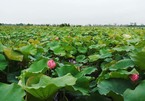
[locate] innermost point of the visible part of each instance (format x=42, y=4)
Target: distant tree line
x=69, y=25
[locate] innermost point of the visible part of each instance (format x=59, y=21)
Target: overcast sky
x=72, y=11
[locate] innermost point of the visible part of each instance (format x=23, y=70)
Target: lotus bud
x=51, y=64
x=57, y=38
x=134, y=77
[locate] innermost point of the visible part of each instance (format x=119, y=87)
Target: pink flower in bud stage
x=134, y=77
x=51, y=64
x=57, y=38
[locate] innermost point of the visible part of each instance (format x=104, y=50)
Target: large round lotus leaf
x=13, y=55
x=137, y=94
x=11, y=92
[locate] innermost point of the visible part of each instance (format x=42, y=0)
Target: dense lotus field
x=45, y=63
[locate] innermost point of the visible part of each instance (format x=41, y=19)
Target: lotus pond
x=45, y=63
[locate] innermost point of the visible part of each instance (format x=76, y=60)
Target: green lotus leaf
x=117, y=86
x=120, y=74
x=73, y=51
x=9, y=92
x=28, y=50
x=59, y=51
x=45, y=87
x=88, y=70
x=67, y=69
x=82, y=49
x=124, y=48
x=122, y=64
x=138, y=58
x=38, y=66
x=53, y=45
x=104, y=53
x=1, y=47
x=82, y=86
x=3, y=62
x=94, y=46
x=135, y=95
x=93, y=58
x=13, y=55
x=78, y=43
x=81, y=58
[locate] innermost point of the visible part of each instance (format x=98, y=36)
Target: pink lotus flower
x=51, y=64
x=134, y=77
x=57, y=38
